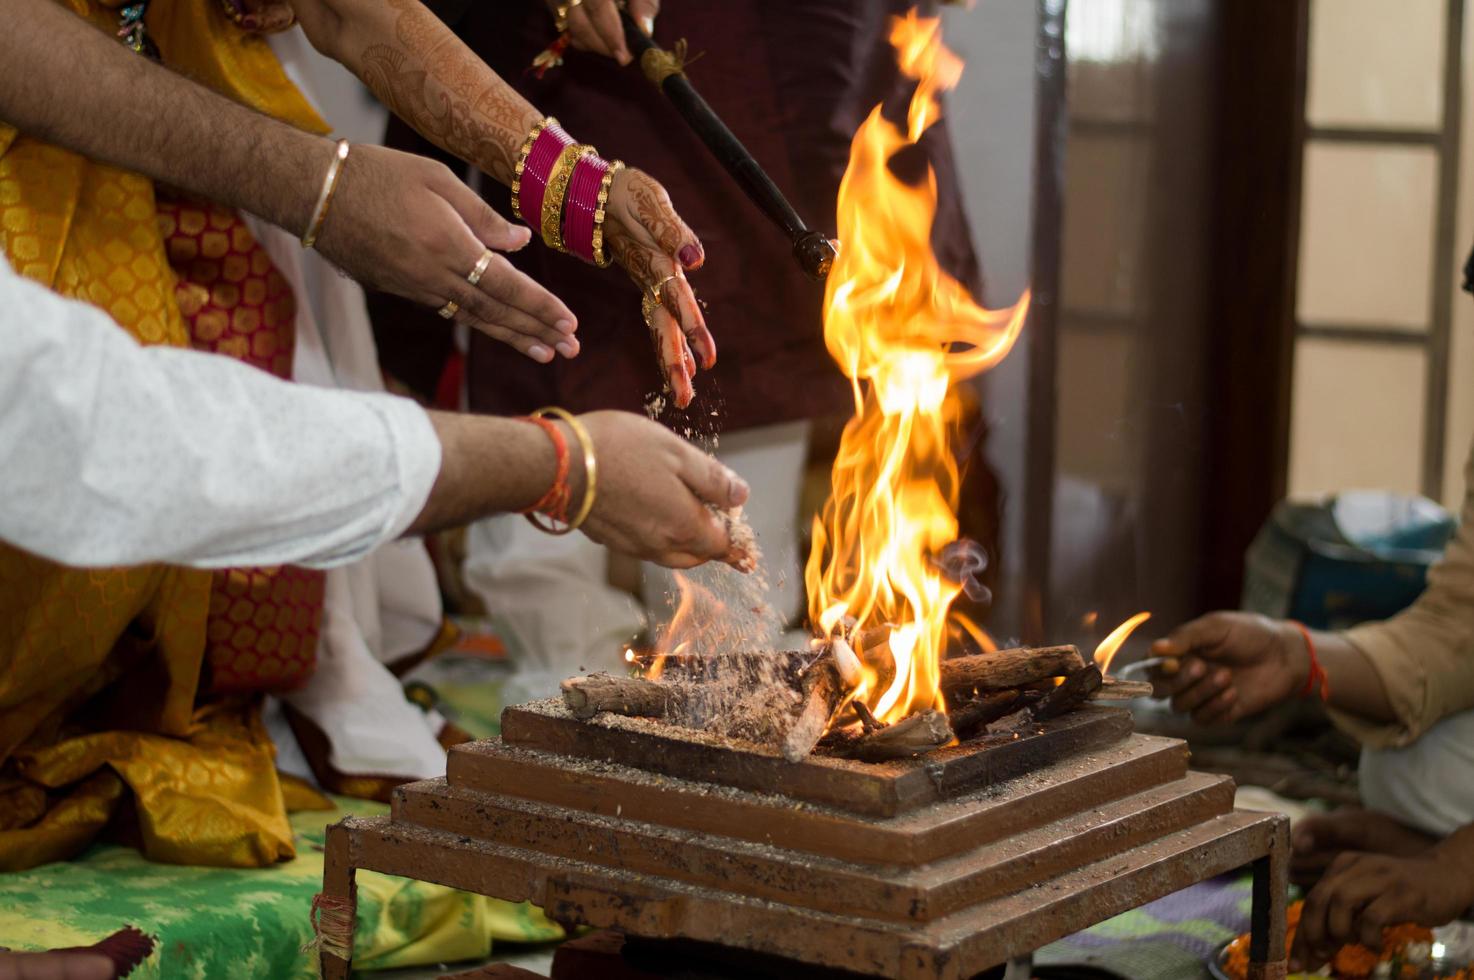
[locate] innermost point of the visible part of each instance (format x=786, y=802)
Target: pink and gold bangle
x=601, y=259
x=583, y=201
x=540, y=152
x=555, y=195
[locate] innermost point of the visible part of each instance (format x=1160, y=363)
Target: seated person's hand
x=1319, y=840
x=1363, y=893
x=593, y=25
x=407, y=225
x=656, y=491
x=1231, y=665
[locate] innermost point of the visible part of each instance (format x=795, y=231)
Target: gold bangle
x=600, y=259
x=522, y=156
x=590, y=471
x=556, y=194
x=325, y=196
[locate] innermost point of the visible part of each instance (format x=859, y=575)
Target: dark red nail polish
x=690, y=256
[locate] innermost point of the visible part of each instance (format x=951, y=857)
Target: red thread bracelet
x=554, y=503
x=1317, y=681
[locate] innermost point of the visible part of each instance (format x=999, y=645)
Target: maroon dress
x=793, y=79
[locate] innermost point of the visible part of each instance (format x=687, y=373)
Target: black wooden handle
x=814, y=252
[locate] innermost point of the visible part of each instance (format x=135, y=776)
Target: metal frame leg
x=1019, y=968
x=1267, y=920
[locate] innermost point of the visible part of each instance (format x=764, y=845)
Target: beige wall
x=1367, y=254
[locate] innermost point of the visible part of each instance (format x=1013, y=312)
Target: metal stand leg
x=1267, y=920
x=339, y=886
x=1021, y=968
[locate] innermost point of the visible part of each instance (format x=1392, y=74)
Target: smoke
x=964, y=561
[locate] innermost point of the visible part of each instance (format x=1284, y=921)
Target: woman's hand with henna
x=594, y=25
x=656, y=248
x=407, y=225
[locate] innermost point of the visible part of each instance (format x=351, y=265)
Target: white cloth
x=115, y=454
x=1428, y=784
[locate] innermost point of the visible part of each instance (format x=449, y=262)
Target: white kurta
x=112, y=453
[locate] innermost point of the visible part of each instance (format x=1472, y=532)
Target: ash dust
x=732, y=682
x=721, y=617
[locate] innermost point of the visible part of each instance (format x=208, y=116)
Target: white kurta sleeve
x=114, y=454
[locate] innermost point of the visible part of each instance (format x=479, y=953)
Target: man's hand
x=407, y=225
x=1232, y=665
x=593, y=25
x=1319, y=840
x=655, y=247
x=656, y=491
x=1362, y=894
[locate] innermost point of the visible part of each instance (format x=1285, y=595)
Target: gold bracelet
x=325, y=196
x=600, y=259
x=590, y=471
x=556, y=194
x=522, y=156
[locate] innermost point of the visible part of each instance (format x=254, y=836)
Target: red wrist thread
x=554, y=503
x=1317, y=681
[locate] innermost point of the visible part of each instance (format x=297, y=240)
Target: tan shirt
x=1425, y=654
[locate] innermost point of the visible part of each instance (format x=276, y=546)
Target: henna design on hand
x=436, y=84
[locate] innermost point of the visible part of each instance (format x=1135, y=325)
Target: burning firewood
x=910, y=736
x=1076, y=688
x=1115, y=689
x=1004, y=669
x=827, y=686
x=587, y=696
x=972, y=716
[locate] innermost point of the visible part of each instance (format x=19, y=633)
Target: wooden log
x=1076, y=688
x=1115, y=689
x=911, y=736
x=635, y=696
x=824, y=695
x=972, y=716
x=1009, y=668
x=791, y=663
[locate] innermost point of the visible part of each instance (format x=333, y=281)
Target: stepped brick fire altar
x=897, y=799
x=939, y=865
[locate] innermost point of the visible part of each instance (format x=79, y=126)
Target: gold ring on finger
x=481, y=266
x=449, y=310
x=560, y=15
x=655, y=290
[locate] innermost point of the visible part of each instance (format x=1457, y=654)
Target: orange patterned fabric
x=100, y=669
x=264, y=622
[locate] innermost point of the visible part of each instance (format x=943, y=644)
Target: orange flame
x=904, y=332
x=963, y=625
x=1105, y=652
x=676, y=637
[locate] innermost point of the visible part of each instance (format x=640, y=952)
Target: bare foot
x=1318, y=840
x=56, y=966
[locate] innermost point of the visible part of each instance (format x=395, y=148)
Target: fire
x=677, y=636
x=1105, y=652
x=904, y=333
